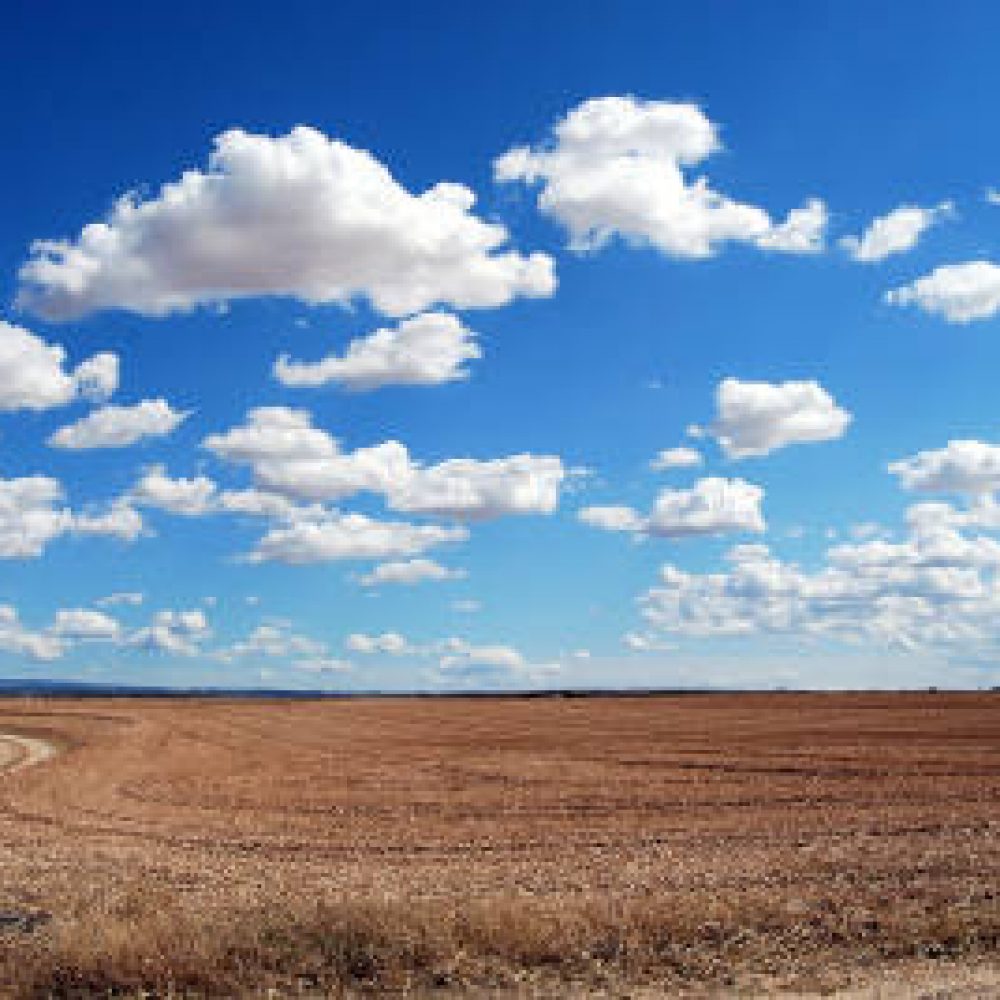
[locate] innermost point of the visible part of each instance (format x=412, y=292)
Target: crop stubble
x=693, y=841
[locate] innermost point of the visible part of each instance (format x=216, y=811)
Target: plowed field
x=550, y=844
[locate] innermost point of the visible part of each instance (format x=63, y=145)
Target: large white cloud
x=616, y=167
x=896, y=232
x=32, y=515
x=429, y=349
x=119, y=426
x=287, y=454
x=959, y=293
x=756, y=418
x=34, y=376
x=937, y=587
x=969, y=467
x=296, y=215
x=713, y=506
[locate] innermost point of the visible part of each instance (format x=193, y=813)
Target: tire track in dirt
x=17, y=752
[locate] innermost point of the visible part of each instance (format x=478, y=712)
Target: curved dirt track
x=786, y=838
x=17, y=752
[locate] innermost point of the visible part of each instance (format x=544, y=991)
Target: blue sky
x=509, y=257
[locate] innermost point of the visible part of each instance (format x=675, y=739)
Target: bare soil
x=725, y=845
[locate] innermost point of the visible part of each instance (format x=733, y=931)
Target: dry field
x=621, y=846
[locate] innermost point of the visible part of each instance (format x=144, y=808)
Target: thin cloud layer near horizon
x=502, y=350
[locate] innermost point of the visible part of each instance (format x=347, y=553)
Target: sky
x=461, y=347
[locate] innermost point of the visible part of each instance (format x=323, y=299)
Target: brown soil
x=720, y=845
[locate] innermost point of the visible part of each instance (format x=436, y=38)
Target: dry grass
x=224, y=848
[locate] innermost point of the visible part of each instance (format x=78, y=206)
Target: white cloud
x=466, y=606
x=938, y=587
x=460, y=659
x=992, y=196
x=298, y=215
x=409, y=572
x=756, y=418
x=188, y=497
x=32, y=515
x=20, y=641
x=896, y=232
x=612, y=518
x=33, y=374
x=288, y=455
x=179, y=633
x=336, y=536
x=676, y=458
x=119, y=426
x=803, y=231
x=390, y=643
x=616, y=167
x=713, y=506
x=273, y=640
x=85, y=623
x=645, y=642
x=462, y=654
x=132, y=597
x=969, y=467
x=958, y=293
x=480, y=489
x=121, y=520
x=430, y=349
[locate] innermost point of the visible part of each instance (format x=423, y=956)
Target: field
x=556, y=845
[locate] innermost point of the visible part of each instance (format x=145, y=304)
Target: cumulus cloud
x=188, y=497
x=458, y=653
x=937, y=587
x=676, y=458
x=896, y=232
x=297, y=215
x=119, y=426
x=390, y=643
x=430, y=349
x=969, y=467
x=410, y=571
x=18, y=640
x=803, y=231
x=179, y=633
x=959, y=293
x=713, y=506
x=288, y=455
x=342, y=536
x=459, y=659
x=32, y=515
x=616, y=166
x=34, y=376
x=612, y=518
x=85, y=623
x=273, y=640
x=756, y=418
x=992, y=196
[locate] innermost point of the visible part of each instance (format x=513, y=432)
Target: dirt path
x=17, y=752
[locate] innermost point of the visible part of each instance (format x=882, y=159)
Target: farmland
x=696, y=842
